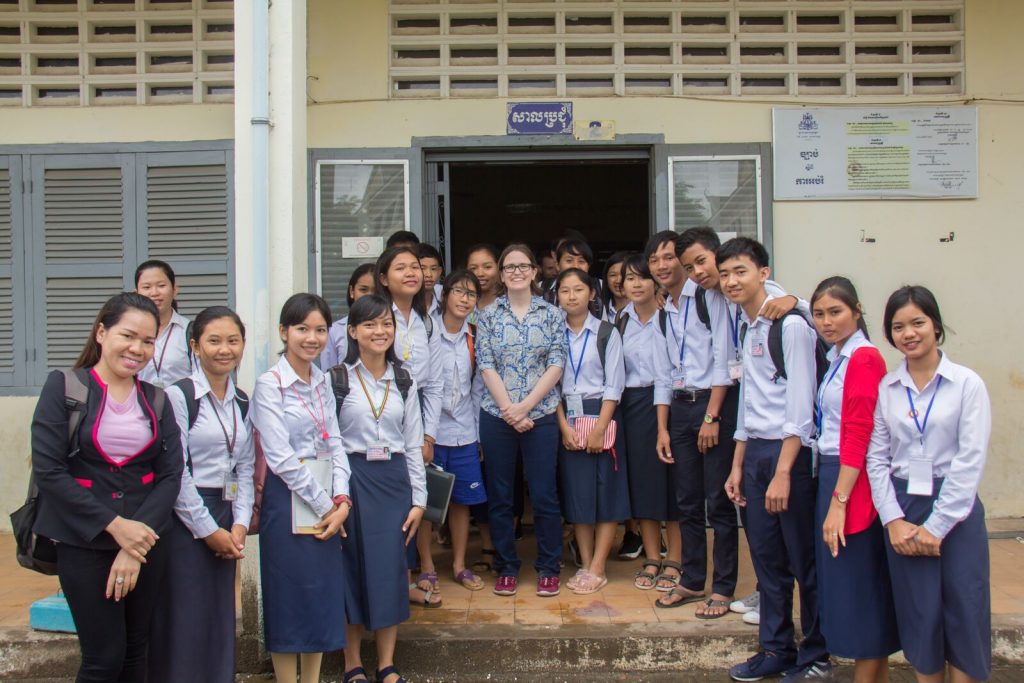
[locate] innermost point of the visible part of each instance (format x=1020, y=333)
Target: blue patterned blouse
x=520, y=352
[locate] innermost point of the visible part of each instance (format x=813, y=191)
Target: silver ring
x=119, y=580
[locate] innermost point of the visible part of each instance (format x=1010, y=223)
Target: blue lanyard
x=921, y=426
x=686, y=319
x=576, y=368
x=819, y=415
x=734, y=328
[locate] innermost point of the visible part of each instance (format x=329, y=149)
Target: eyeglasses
x=510, y=268
x=467, y=293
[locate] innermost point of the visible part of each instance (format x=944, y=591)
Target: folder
x=303, y=517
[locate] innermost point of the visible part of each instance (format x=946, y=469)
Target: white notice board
x=865, y=153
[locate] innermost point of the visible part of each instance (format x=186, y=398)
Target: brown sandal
x=673, y=581
x=712, y=603
x=643, y=579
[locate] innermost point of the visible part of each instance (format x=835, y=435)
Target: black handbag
x=35, y=552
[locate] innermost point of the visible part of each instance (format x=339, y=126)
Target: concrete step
x=498, y=653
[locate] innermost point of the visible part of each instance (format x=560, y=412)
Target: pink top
x=123, y=429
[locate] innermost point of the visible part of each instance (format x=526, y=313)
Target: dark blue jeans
x=782, y=549
x=501, y=444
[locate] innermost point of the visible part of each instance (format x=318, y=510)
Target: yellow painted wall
x=974, y=276
x=171, y=123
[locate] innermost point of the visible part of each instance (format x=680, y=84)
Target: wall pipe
x=260, y=130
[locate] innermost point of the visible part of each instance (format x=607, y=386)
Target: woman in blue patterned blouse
x=521, y=354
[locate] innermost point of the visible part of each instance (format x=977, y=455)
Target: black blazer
x=81, y=494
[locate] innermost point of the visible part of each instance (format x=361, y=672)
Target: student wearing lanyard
x=595, y=491
x=293, y=411
x=194, y=625
x=155, y=280
x=382, y=431
x=652, y=495
x=772, y=472
x=458, y=440
x=359, y=285
x=521, y=354
x=703, y=398
x=698, y=259
x=108, y=504
x=857, y=616
x=928, y=449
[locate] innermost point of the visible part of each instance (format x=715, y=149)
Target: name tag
x=378, y=452
x=756, y=348
x=920, y=483
x=573, y=406
x=679, y=383
x=230, y=486
x=736, y=370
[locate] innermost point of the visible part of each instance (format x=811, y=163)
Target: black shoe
x=518, y=533
x=632, y=546
x=575, y=552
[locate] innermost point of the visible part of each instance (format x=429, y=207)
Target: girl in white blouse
x=194, y=624
x=155, y=280
x=293, y=411
x=382, y=431
x=933, y=421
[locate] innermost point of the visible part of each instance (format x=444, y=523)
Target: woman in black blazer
x=107, y=503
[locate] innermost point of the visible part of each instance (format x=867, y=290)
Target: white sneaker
x=751, y=602
x=753, y=617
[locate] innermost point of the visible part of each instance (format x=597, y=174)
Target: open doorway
x=608, y=200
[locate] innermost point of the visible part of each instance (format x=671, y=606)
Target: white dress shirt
x=830, y=393
x=171, y=360
x=640, y=343
x=775, y=291
x=206, y=445
x=699, y=356
x=337, y=344
x=955, y=440
x=400, y=427
x=784, y=407
x=584, y=374
x=290, y=416
x=417, y=353
x=460, y=411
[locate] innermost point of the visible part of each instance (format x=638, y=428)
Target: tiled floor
x=617, y=603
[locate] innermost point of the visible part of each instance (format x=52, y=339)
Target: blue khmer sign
x=539, y=118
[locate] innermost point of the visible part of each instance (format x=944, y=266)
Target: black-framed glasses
x=468, y=293
x=510, y=268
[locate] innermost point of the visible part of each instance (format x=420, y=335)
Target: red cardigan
x=860, y=394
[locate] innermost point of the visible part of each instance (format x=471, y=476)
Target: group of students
x=680, y=386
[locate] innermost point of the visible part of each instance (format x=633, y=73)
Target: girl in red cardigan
x=855, y=601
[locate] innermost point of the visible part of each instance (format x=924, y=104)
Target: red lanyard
x=167, y=342
x=228, y=441
x=322, y=422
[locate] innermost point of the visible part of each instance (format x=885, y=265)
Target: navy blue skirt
x=595, y=486
x=303, y=580
x=943, y=604
x=854, y=593
x=193, y=629
x=376, y=581
x=652, y=493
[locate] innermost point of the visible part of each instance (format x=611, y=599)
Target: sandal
x=426, y=601
x=469, y=580
x=351, y=674
x=589, y=583
x=644, y=580
x=687, y=595
x=430, y=578
x=671, y=581
x=576, y=578
x=711, y=603
x=388, y=671
x=484, y=565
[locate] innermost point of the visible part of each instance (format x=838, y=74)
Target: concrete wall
x=972, y=276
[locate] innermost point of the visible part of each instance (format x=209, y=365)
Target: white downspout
x=260, y=129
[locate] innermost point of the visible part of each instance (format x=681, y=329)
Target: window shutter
x=356, y=199
x=185, y=219
x=6, y=280
x=82, y=211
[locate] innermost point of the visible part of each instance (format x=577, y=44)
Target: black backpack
x=621, y=319
x=778, y=357
x=339, y=382
x=188, y=390
x=700, y=300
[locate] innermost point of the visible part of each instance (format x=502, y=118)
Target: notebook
x=303, y=517
x=439, y=494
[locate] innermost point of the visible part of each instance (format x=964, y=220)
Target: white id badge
x=920, y=483
x=736, y=370
x=757, y=346
x=230, y=486
x=679, y=383
x=378, y=452
x=573, y=406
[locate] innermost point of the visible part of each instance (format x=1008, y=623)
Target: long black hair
x=616, y=259
x=361, y=270
x=839, y=287
x=380, y=272
x=919, y=296
x=369, y=307
x=109, y=316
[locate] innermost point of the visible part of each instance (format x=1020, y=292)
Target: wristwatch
x=338, y=500
x=841, y=497
x=709, y=419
